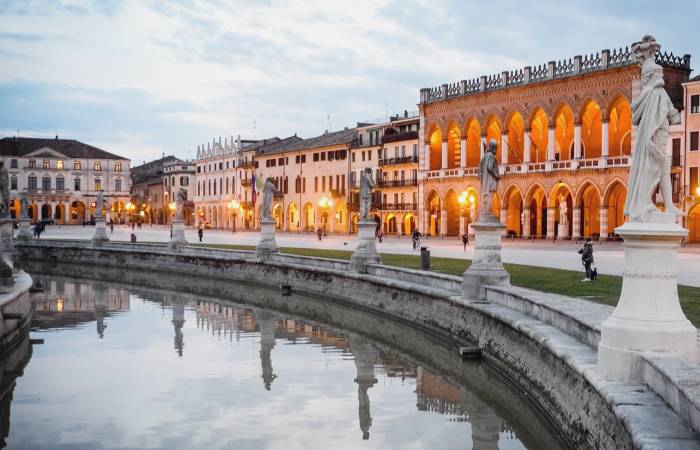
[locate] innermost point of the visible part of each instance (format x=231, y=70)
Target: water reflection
x=231, y=347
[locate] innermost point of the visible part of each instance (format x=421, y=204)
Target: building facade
x=149, y=204
x=564, y=136
x=687, y=143
x=180, y=175
x=62, y=177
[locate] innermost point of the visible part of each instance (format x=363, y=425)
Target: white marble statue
x=268, y=195
x=366, y=186
x=563, y=209
x=488, y=178
x=180, y=198
x=652, y=113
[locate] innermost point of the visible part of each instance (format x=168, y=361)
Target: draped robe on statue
x=651, y=111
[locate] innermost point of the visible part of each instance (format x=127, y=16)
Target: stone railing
x=577, y=65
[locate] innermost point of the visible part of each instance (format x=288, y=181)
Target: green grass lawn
x=606, y=289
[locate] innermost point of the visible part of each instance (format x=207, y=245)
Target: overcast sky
x=139, y=78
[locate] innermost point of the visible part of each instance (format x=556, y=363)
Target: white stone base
x=366, y=251
x=648, y=316
x=100, y=232
x=562, y=231
x=486, y=268
x=267, y=244
x=178, y=240
x=24, y=232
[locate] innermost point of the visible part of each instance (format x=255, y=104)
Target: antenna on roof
x=328, y=123
x=254, y=130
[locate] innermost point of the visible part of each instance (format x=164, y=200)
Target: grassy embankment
x=606, y=289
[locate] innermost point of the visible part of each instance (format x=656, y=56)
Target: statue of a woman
x=268, y=194
x=653, y=113
x=488, y=178
x=181, y=197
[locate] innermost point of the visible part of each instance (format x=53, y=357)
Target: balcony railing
x=398, y=206
x=397, y=183
x=246, y=182
x=399, y=160
x=337, y=193
x=396, y=137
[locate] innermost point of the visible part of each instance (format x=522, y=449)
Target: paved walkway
x=609, y=257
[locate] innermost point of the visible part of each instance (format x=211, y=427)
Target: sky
x=142, y=78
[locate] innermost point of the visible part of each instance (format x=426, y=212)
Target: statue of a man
x=488, y=177
x=23, y=206
x=180, y=199
x=99, y=204
x=652, y=112
x=4, y=191
x=366, y=186
x=268, y=194
x=563, y=209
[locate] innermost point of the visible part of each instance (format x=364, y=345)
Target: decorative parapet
x=603, y=60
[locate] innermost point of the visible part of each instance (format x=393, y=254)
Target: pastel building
x=687, y=143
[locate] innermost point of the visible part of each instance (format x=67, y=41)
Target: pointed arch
x=454, y=137
x=591, y=129
x=473, y=135
x=494, y=130
x=564, y=132
x=514, y=204
x=619, y=126
x=588, y=202
x=435, y=142
x=452, y=212
x=515, y=128
x=539, y=135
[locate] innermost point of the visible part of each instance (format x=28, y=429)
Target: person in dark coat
x=587, y=258
x=200, y=233
x=465, y=240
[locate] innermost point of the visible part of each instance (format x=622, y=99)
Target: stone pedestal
x=100, y=232
x=486, y=268
x=7, y=281
x=648, y=316
x=562, y=231
x=267, y=244
x=178, y=240
x=24, y=232
x=366, y=252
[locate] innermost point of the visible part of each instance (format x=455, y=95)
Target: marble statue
x=268, y=194
x=4, y=191
x=488, y=178
x=99, y=204
x=180, y=198
x=366, y=186
x=563, y=209
x=652, y=113
x=23, y=206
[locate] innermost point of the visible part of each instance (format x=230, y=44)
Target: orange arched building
x=564, y=134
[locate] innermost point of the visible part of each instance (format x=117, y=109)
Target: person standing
x=465, y=240
x=587, y=258
x=380, y=235
x=111, y=226
x=415, y=238
x=200, y=233
x=319, y=233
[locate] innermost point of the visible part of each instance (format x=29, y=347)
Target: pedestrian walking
x=200, y=233
x=380, y=235
x=587, y=258
x=415, y=237
x=111, y=226
x=171, y=231
x=319, y=233
x=465, y=240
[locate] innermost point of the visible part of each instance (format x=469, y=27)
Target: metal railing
x=399, y=160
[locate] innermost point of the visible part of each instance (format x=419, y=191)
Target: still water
x=132, y=368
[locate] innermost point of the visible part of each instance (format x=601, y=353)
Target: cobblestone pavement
x=609, y=257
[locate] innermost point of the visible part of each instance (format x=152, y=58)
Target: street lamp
x=324, y=204
x=697, y=191
x=462, y=200
x=234, y=205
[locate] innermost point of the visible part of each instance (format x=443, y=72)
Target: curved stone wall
x=15, y=313
x=556, y=371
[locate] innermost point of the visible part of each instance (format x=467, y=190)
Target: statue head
x=493, y=146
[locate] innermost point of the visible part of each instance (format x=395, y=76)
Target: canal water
x=123, y=366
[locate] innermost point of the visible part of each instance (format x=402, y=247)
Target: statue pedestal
x=178, y=240
x=486, y=268
x=648, y=316
x=562, y=231
x=24, y=232
x=100, y=232
x=7, y=281
x=366, y=252
x=267, y=244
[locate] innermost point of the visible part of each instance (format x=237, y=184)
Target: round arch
x=77, y=212
x=278, y=215
x=536, y=202
x=409, y=224
x=309, y=220
x=561, y=198
x=293, y=217
x=493, y=130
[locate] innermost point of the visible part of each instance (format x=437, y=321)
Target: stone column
x=577, y=140
x=603, y=222
x=366, y=251
x=526, y=222
x=100, y=229
x=426, y=158
x=504, y=149
x=267, y=342
x=444, y=155
x=443, y=222
x=365, y=357
x=604, y=151
x=550, y=222
x=7, y=282
x=648, y=316
x=463, y=153
x=576, y=222
x=550, y=144
x=486, y=268
x=504, y=221
x=526, y=147
x=178, y=306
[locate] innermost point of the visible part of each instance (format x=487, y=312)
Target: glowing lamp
x=472, y=199
x=697, y=191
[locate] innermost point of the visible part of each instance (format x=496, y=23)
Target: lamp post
x=235, y=206
x=171, y=207
x=324, y=204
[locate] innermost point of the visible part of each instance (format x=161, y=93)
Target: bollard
x=133, y=237
x=424, y=258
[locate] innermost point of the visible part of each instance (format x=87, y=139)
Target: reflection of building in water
x=485, y=424
x=224, y=319
x=11, y=367
x=434, y=394
x=67, y=303
x=267, y=343
x=178, y=306
x=365, y=359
